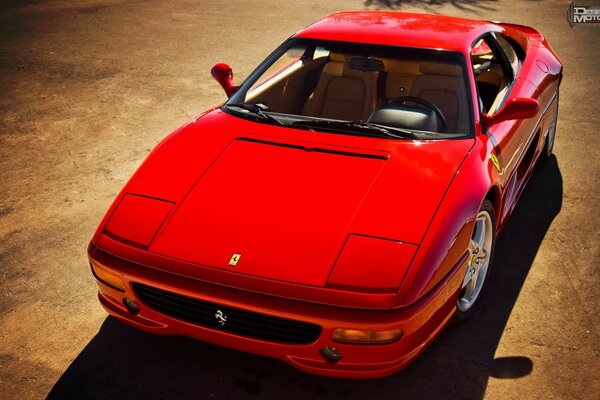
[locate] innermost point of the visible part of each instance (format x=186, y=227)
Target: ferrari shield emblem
x=235, y=258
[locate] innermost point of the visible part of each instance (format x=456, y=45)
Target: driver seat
x=442, y=84
x=342, y=92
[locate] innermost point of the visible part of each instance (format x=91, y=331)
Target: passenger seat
x=341, y=92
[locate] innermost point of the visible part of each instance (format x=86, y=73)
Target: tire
x=550, y=133
x=481, y=253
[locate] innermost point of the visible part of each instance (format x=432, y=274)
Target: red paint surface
x=400, y=29
x=372, y=263
x=285, y=209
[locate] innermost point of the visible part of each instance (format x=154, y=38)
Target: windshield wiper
x=386, y=130
x=257, y=109
x=368, y=128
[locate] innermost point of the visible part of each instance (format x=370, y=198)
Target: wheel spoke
x=464, y=303
x=468, y=277
x=482, y=259
x=470, y=288
x=479, y=234
x=475, y=278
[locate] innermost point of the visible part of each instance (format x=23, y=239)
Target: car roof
x=400, y=29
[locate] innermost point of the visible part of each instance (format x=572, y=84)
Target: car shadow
x=121, y=362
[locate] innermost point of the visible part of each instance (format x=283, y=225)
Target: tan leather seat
x=341, y=92
x=400, y=74
x=443, y=85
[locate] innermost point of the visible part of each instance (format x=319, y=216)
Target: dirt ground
x=87, y=88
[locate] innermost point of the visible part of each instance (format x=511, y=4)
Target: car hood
x=281, y=203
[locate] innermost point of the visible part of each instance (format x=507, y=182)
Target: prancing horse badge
x=235, y=258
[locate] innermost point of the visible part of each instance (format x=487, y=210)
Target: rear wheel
x=481, y=250
x=550, y=133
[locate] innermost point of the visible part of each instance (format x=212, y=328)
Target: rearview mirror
x=224, y=75
x=516, y=108
x=367, y=64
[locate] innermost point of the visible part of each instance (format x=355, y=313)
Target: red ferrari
x=342, y=206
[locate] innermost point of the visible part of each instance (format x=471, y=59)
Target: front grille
x=240, y=322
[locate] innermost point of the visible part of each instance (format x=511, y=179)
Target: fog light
x=365, y=337
x=108, y=278
x=331, y=353
x=131, y=306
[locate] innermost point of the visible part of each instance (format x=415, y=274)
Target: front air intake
x=227, y=319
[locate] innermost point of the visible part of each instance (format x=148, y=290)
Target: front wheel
x=481, y=251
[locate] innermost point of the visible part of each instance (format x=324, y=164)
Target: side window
x=495, y=69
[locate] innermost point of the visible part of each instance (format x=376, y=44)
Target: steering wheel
x=422, y=102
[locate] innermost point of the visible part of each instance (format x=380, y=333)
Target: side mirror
x=516, y=108
x=224, y=75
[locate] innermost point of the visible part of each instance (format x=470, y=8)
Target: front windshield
x=353, y=87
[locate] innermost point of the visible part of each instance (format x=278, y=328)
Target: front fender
x=448, y=235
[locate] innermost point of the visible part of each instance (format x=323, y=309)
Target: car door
x=496, y=65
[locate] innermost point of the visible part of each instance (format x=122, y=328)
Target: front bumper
x=420, y=323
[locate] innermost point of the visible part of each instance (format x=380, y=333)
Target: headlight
x=107, y=277
x=343, y=335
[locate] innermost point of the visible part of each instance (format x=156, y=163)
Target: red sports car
x=342, y=206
